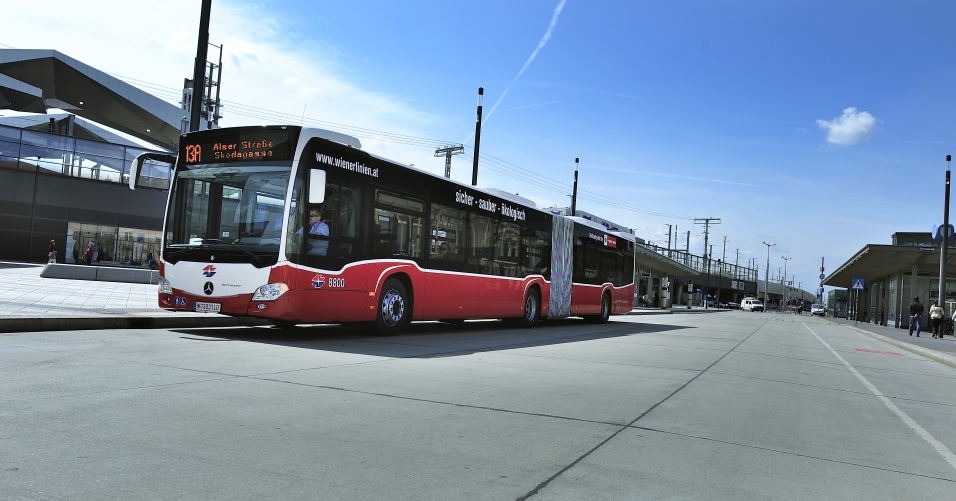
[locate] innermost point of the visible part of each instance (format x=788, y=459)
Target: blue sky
x=736, y=110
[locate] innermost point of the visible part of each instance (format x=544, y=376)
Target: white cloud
x=853, y=127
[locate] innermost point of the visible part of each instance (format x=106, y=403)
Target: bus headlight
x=164, y=286
x=270, y=292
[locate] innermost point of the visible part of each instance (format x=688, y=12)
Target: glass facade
x=72, y=190
x=111, y=244
x=24, y=149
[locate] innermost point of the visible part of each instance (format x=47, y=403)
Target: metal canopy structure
x=35, y=80
x=20, y=96
x=875, y=262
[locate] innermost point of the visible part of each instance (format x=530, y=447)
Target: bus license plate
x=207, y=307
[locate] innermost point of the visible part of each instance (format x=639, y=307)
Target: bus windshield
x=234, y=210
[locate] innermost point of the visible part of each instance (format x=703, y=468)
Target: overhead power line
x=486, y=160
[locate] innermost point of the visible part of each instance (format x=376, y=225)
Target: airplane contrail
x=533, y=105
x=534, y=54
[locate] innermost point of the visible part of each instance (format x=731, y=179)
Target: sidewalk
x=945, y=345
x=940, y=350
x=31, y=303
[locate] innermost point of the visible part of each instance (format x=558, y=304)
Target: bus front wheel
x=394, y=309
x=283, y=324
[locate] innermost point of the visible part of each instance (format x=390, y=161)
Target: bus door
x=450, y=288
x=326, y=237
x=504, y=296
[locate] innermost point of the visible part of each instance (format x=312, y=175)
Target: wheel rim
x=393, y=308
x=605, y=307
x=530, y=308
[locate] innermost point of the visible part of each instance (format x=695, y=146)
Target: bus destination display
x=237, y=147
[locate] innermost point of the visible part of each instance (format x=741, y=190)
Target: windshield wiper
x=174, y=252
x=255, y=257
x=207, y=242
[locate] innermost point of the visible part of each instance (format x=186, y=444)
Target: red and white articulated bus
x=299, y=225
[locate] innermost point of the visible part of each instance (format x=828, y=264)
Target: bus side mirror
x=136, y=166
x=316, y=186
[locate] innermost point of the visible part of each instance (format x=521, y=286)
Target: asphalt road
x=720, y=405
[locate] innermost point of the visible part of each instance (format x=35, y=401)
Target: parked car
x=751, y=305
x=733, y=306
x=818, y=309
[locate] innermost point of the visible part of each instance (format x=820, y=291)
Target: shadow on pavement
x=428, y=339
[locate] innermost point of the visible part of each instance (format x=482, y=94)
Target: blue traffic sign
x=822, y=276
x=857, y=284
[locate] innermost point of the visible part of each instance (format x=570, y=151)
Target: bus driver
x=317, y=227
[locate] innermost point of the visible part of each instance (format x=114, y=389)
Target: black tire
x=605, y=314
x=283, y=324
x=532, y=310
x=394, y=309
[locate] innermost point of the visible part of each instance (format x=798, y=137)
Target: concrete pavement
x=723, y=406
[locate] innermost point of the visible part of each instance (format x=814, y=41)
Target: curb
x=670, y=311
x=98, y=323
x=919, y=350
x=650, y=312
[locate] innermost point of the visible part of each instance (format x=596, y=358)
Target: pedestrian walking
x=936, y=318
x=52, y=252
x=916, y=311
x=89, y=253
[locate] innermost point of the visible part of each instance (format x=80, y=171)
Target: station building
x=65, y=157
x=892, y=275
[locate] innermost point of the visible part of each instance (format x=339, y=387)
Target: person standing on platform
x=916, y=311
x=52, y=252
x=935, y=318
x=89, y=253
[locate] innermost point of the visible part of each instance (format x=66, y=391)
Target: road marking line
x=948, y=455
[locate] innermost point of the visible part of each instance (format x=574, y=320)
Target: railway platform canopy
x=35, y=81
x=893, y=274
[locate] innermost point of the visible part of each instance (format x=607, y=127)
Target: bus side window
x=536, y=246
x=507, y=245
x=481, y=244
x=446, y=238
x=396, y=228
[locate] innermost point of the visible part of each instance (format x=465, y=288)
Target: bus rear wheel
x=605, y=311
x=394, y=309
x=532, y=310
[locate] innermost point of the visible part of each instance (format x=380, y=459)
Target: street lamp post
x=766, y=281
x=942, y=254
x=785, y=259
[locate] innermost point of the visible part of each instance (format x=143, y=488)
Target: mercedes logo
x=208, y=288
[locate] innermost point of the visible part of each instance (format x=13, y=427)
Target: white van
x=751, y=304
